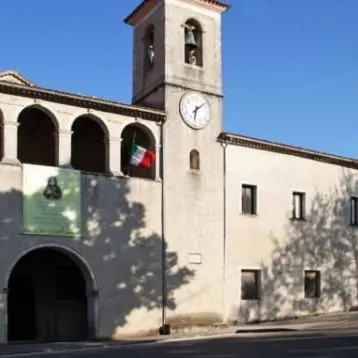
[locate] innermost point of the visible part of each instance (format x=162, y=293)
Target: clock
x=195, y=110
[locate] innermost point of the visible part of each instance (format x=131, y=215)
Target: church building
x=131, y=219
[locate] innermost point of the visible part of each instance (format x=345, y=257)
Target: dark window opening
x=298, y=206
x=250, y=284
x=193, y=43
x=249, y=199
x=194, y=160
x=37, y=138
x=138, y=152
x=89, y=145
x=312, y=284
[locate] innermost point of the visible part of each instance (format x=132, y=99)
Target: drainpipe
x=165, y=328
x=224, y=145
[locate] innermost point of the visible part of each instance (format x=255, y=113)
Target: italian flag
x=141, y=157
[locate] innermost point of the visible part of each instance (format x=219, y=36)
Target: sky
x=290, y=67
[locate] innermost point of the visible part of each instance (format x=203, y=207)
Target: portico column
x=115, y=156
x=10, y=128
x=64, y=148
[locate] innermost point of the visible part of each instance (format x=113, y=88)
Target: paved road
x=293, y=345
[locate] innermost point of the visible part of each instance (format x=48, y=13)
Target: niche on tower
x=193, y=43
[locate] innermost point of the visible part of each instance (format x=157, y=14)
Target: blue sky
x=290, y=66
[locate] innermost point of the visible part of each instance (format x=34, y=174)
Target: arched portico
x=139, y=134
x=89, y=144
x=51, y=296
x=37, y=136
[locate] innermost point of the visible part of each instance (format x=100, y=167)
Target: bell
x=190, y=39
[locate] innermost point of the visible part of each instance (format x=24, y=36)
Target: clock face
x=195, y=110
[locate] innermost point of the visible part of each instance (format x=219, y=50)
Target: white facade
x=281, y=248
x=249, y=229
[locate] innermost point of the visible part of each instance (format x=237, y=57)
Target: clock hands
x=196, y=109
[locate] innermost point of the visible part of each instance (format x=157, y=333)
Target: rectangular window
x=250, y=284
x=354, y=211
x=312, y=284
x=248, y=199
x=299, y=206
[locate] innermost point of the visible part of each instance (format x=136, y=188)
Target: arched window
x=149, y=49
x=194, y=160
x=138, y=152
x=37, y=137
x=89, y=145
x=193, y=43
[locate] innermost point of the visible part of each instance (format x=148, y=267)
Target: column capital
x=115, y=139
x=65, y=132
x=14, y=124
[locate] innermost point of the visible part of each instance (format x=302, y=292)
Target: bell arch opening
x=135, y=134
x=89, y=145
x=149, y=49
x=193, y=43
x=37, y=137
x=48, y=297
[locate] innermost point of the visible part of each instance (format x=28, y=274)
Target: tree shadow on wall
x=325, y=241
x=121, y=241
x=130, y=249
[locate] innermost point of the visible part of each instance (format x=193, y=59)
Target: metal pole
x=164, y=328
x=224, y=145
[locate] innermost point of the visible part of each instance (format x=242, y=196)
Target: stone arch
x=137, y=133
x=37, y=136
x=149, y=48
x=194, y=158
x=89, y=144
x=193, y=54
x=51, y=311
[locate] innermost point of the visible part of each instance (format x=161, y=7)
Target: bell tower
x=176, y=42
x=177, y=68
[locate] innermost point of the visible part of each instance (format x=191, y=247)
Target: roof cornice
x=82, y=101
x=147, y=5
x=255, y=143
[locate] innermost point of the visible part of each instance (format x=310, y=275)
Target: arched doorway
x=47, y=297
x=37, y=137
